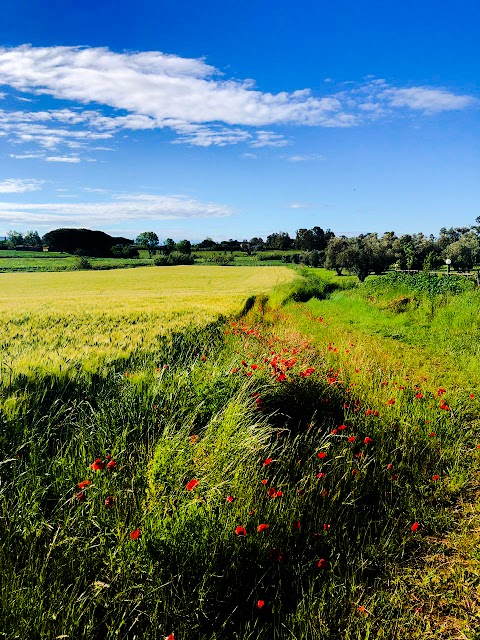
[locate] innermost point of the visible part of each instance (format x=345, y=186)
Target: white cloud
x=306, y=157
x=249, y=155
x=426, y=99
x=74, y=159
x=147, y=207
x=18, y=185
x=298, y=205
x=152, y=90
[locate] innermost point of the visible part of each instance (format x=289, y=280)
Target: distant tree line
x=361, y=255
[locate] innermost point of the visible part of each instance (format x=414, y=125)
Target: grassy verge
x=285, y=475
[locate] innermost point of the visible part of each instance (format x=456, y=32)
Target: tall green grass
x=217, y=431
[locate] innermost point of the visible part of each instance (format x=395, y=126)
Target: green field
x=301, y=465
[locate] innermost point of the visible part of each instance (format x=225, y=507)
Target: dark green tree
x=148, y=239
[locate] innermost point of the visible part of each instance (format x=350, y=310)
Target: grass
x=280, y=417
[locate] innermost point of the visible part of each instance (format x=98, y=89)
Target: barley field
x=54, y=321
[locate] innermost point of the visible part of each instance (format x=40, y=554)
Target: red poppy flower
x=389, y=465
x=432, y=434
x=265, y=481
x=80, y=497
x=109, y=502
x=419, y=395
x=472, y=396
x=321, y=455
x=326, y=527
x=241, y=531
x=367, y=440
x=262, y=527
x=391, y=401
x=342, y=427
x=354, y=472
x=276, y=554
x=230, y=499
x=321, y=475
x=83, y=484
x=260, y=603
x=135, y=534
x=108, y=456
x=267, y=462
x=98, y=465
x=351, y=439
x=170, y=637
x=414, y=526
x=191, y=485
x=436, y=477
x=441, y=391
x=278, y=494
x=254, y=366
x=322, y=563
x=395, y=476
x=296, y=525
x=111, y=465
x=281, y=378
x=324, y=493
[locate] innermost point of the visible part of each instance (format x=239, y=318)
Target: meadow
x=302, y=464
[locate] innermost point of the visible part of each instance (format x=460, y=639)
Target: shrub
x=173, y=259
x=81, y=263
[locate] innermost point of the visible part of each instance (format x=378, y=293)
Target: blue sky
x=234, y=120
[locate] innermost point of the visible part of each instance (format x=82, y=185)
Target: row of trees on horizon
x=361, y=255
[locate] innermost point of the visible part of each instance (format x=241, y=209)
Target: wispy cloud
x=120, y=208
x=306, y=157
x=153, y=90
x=74, y=159
x=298, y=205
x=19, y=185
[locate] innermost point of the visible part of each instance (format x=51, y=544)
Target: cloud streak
x=121, y=208
x=18, y=185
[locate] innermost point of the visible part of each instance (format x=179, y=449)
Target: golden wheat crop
x=55, y=321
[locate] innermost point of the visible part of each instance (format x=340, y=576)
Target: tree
x=14, y=239
x=315, y=239
x=465, y=252
x=148, y=239
x=32, y=239
x=184, y=246
x=280, y=240
x=169, y=246
x=80, y=241
x=335, y=254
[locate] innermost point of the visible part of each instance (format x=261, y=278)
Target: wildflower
x=472, y=396
x=254, y=366
x=389, y=466
x=276, y=554
x=432, y=434
x=265, y=481
x=80, y=497
x=324, y=493
x=436, y=477
x=267, y=462
x=419, y=395
x=262, y=527
x=321, y=455
x=193, y=438
x=191, y=485
x=321, y=475
x=109, y=502
x=83, y=484
x=170, y=637
x=111, y=465
x=135, y=534
x=367, y=440
x=354, y=472
x=414, y=526
x=230, y=499
x=342, y=427
x=241, y=531
x=260, y=603
x=98, y=465
x=351, y=439
x=395, y=476
x=296, y=525
x=108, y=456
x=444, y=406
x=391, y=401
x=441, y=391
x=326, y=527
x=322, y=563
x=361, y=609
x=281, y=378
